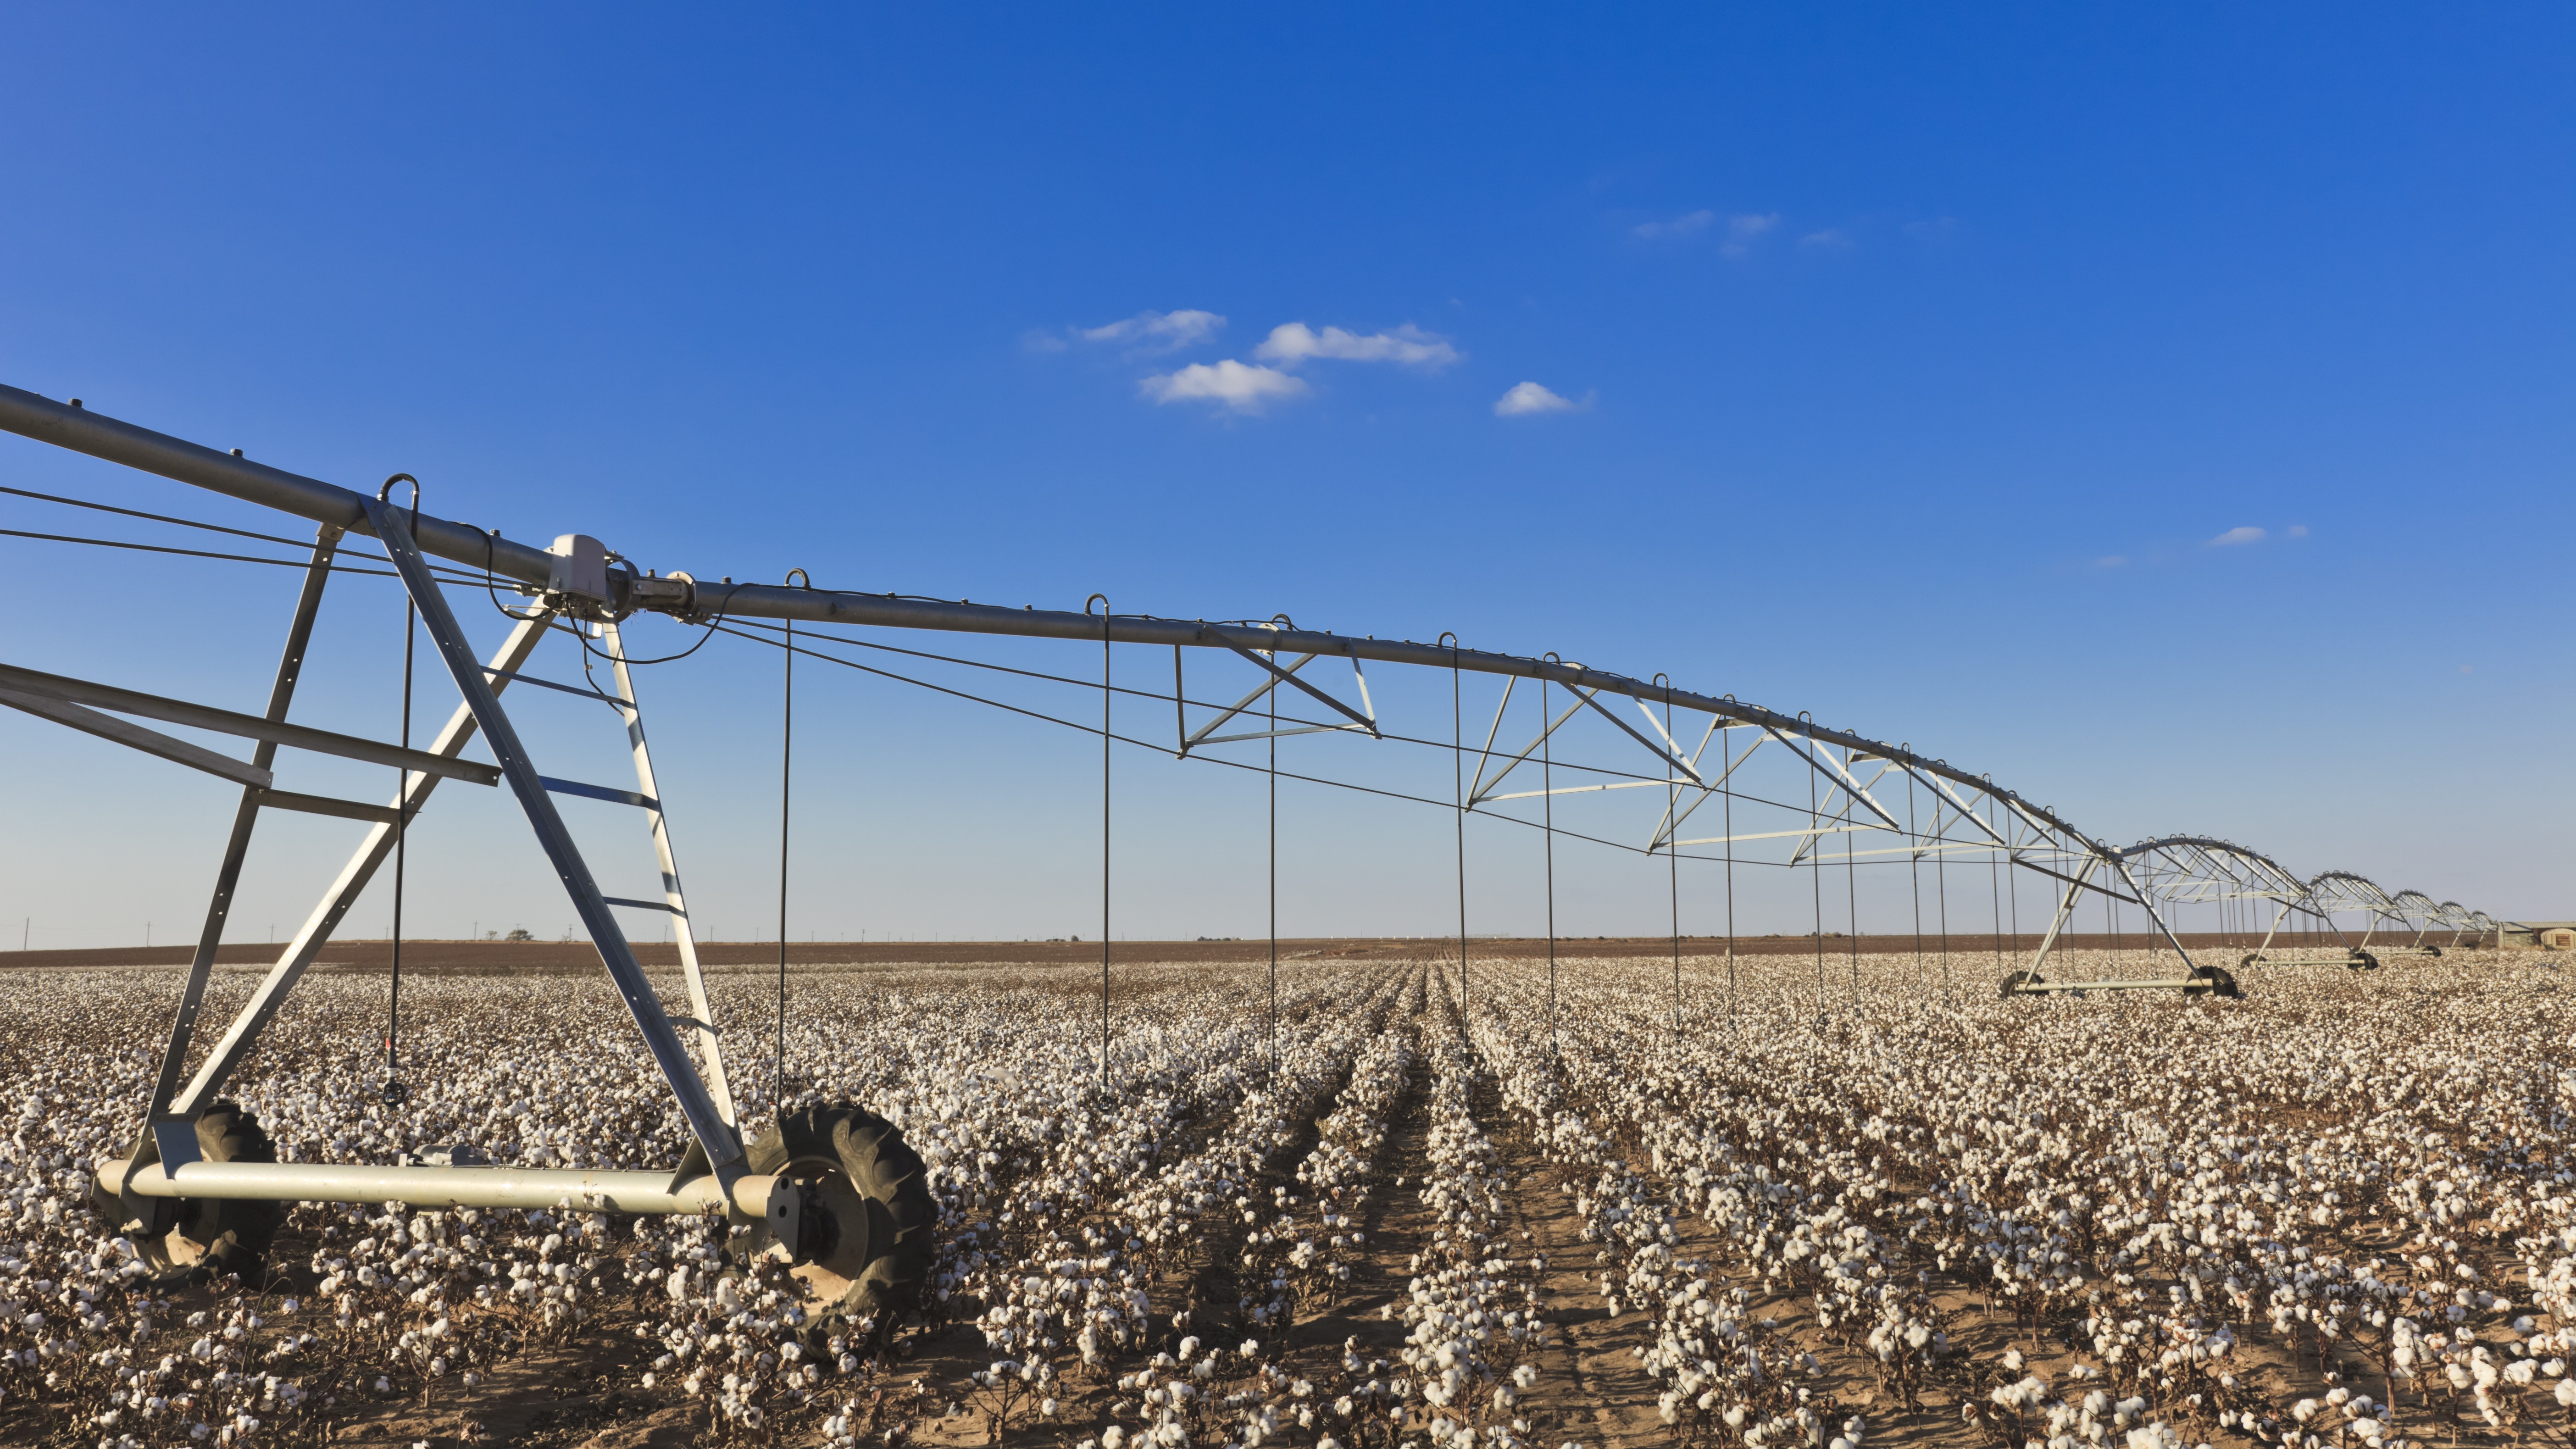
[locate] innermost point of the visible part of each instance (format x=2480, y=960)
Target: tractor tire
x=874, y=1191
x=208, y=1235
x=2014, y=983
x=2222, y=982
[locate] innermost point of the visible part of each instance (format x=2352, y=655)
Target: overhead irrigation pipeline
x=681, y=595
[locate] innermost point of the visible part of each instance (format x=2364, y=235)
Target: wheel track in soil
x=1215, y=1289
x=1592, y=1390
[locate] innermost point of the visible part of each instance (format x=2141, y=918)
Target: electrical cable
x=714, y=625
x=491, y=538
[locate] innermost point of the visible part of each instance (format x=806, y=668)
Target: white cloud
x=1742, y=230
x=1528, y=397
x=1159, y=331
x=1291, y=343
x=2111, y=561
x=2295, y=530
x=2235, y=536
x=1831, y=236
x=1232, y=384
x=1678, y=226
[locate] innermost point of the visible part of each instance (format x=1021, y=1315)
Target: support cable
x=288, y=563
x=1200, y=756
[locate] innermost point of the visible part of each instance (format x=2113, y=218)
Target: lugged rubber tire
x=848, y=1148
x=212, y=1235
x=2221, y=981
x=2014, y=983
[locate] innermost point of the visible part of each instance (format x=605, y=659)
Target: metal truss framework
x=1733, y=793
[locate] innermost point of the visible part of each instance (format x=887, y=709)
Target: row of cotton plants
x=1840, y=1198
x=1302, y=1257
x=2112, y=1170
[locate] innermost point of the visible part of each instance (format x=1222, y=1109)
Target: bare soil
x=537, y=957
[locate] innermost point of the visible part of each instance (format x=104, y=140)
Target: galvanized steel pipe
x=440, y=1187
x=82, y=431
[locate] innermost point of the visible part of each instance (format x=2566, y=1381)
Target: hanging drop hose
x=1270, y=698
x=1727, y=796
x=1547, y=833
x=1673, y=854
x=1815, y=871
x=395, y=1092
x=1914, y=863
x=1103, y=601
x=786, y=772
x=1458, y=796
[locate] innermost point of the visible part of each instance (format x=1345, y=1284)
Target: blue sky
x=1915, y=368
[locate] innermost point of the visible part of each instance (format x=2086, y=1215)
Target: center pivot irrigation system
x=1633, y=765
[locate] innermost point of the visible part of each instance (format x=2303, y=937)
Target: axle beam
x=648, y=1193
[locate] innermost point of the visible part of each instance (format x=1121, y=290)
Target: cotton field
x=1850, y=1202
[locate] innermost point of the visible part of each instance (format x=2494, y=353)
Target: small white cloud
x=1244, y=388
x=1291, y=343
x=2111, y=561
x=2235, y=536
x=2295, y=530
x=1159, y=331
x=2468, y=669
x=1936, y=229
x=1528, y=397
x=1041, y=342
x=1831, y=237
x=1679, y=226
x=1741, y=231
